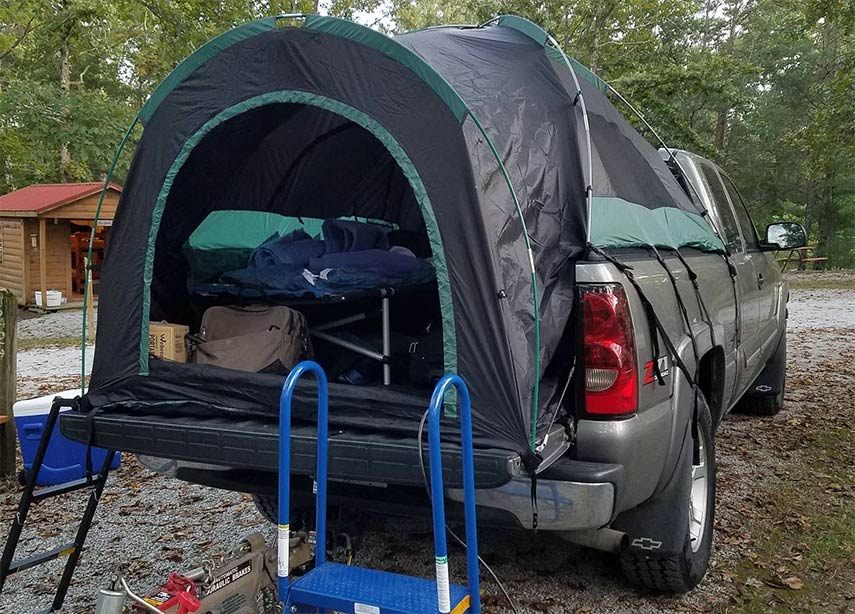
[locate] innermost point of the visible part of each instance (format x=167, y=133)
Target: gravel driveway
x=155, y=525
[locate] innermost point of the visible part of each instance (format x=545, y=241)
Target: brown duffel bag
x=257, y=339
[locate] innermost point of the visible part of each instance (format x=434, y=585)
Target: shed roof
x=43, y=197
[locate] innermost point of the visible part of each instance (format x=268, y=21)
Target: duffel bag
x=258, y=339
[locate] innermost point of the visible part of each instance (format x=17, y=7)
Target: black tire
x=682, y=572
x=774, y=377
x=267, y=506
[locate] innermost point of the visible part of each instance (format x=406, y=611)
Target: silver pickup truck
x=528, y=270
x=642, y=479
x=662, y=512
x=633, y=474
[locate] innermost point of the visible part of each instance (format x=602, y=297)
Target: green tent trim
x=393, y=49
x=619, y=224
x=535, y=32
x=449, y=336
x=199, y=57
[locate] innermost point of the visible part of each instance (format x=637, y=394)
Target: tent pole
x=87, y=274
x=661, y=142
x=589, y=187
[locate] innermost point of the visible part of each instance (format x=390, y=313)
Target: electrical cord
x=447, y=528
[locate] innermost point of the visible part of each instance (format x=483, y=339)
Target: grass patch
x=47, y=342
x=802, y=553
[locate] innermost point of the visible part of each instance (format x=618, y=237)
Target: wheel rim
x=698, y=498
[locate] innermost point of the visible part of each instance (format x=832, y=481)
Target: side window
x=749, y=233
x=722, y=207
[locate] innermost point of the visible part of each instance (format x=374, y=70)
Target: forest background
x=766, y=88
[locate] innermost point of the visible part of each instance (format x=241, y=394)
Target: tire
x=774, y=377
x=267, y=506
x=682, y=572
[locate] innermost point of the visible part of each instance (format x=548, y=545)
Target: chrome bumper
x=561, y=505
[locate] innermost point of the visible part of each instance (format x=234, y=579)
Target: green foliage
x=765, y=87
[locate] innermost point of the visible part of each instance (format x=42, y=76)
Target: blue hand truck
x=335, y=587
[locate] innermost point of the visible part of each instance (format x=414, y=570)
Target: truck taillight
x=611, y=370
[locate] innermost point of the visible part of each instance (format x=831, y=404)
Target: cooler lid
x=41, y=405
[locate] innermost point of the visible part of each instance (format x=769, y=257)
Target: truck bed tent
x=474, y=135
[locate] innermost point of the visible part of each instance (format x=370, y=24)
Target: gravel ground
x=155, y=524
x=837, y=309
x=53, y=365
x=63, y=323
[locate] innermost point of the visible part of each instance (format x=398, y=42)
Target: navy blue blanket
x=352, y=257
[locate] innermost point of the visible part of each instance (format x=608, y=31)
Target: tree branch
x=27, y=29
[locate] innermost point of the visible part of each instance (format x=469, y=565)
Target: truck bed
x=252, y=444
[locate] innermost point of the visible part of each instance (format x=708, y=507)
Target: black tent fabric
x=474, y=134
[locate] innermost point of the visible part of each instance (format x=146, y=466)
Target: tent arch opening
x=331, y=108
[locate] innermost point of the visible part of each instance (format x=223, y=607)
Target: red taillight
x=611, y=371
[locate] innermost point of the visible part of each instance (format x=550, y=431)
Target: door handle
x=760, y=280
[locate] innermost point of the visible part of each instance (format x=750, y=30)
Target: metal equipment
x=332, y=586
x=245, y=584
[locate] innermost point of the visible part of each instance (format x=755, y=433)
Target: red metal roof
x=43, y=197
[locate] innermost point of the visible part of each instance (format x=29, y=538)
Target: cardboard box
x=167, y=341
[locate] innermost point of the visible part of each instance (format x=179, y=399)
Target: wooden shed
x=45, y=231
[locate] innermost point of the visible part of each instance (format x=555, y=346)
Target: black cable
x=653, y=320
x=682, y=306
x=702, y=306
x=447, y=528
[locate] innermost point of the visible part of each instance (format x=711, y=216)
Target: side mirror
x=785, y=235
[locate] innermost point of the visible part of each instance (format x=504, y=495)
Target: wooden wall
x=58, y=252
x=12, y=269
x=84, y=209
x=20, y=268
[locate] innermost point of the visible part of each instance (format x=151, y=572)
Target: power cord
x=447, y=528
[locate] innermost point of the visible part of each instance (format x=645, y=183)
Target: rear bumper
x=242, y=455
x=571, y=496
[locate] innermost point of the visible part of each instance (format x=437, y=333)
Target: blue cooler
x=65, y=460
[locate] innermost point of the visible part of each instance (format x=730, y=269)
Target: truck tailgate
x=253, y=445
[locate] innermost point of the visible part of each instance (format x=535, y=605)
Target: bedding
x=351, y=257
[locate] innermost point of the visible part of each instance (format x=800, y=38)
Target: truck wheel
x=267, y=506
x=765, y=397
x=682, y=572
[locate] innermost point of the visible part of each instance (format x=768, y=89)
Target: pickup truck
x=640, y=482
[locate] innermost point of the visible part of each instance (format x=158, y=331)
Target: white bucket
x=54, y=298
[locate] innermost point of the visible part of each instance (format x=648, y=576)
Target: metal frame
x=284, y=529
x=438, y=497
x=444, y=603
x=384, y=357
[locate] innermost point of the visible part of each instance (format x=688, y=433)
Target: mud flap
x=770, y=379
x=658, y=527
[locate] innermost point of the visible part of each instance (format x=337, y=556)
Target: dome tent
x=480, y=132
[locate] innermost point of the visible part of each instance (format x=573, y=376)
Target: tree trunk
x=65, y=88
x=8, y=384
x=810, y=208
x=825, y=230
x=720, y=130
